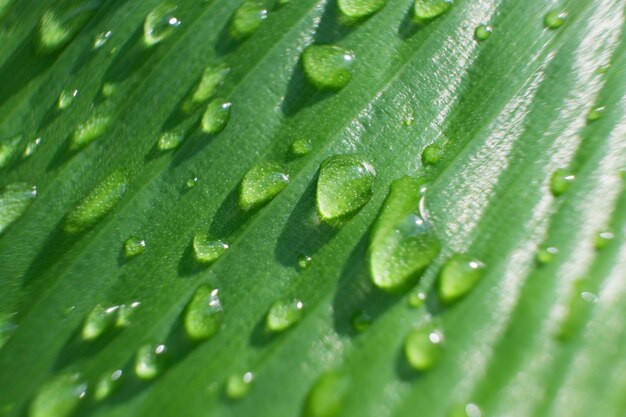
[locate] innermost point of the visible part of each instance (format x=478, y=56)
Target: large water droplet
x=14, y=200
x=482, y=32
x=108, y=384
x=99, y=320
x=560, y=181
x=360, y=8
x=206, y=87
x=8, y=150
x=283, y=314
x=216, y=116
x=59, y=397
x=261, y=184
x=151, y=360
x=423, y=347
x=61, y=23
x=344, y=186
x=88, y=131
x=97, y=204
x=160, y=24
x=247, y=19
x=204, y=314
x=66, y=98
x=238, y=386
x=427, y=10
x=458, y=276
x=554, y=19
x=327, y=395
x=134, y=246
x=403, y=242
x=206, y=250
x=328, y=67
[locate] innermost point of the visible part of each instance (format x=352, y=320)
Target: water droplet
x=458, y=276
x=304, y=261
x=261, y=184
x=554, y=19
x=14, y=200
x=99, y=320
x=88, y=131
x=108, y=384
x=545, y=255
x=31, y=147
x=283, y=314
x=573, y=312
x=59, y=397
x=360, y=8
x=432, y=154
x=603, y=69
x=482, y=32
x=60, y=24
x=237, y=386
x=427, y=10
x=595, y=114
x=171, y=140
x=603, y=239
x=206, y=87
x=97, y=204
x=125, y=313
x=403, y=242
x=204, y=314
x=8, y=149
x=328, y=67
x=344, y=186
x=301, y=147
x=466, y=410
x=134, y=246
x=207, y=251
x=108, y=89
x=160, y=24
x=423, y=347
x=151, y=360
x=416, y=298
x=101, y=39
x=216, y=116
x=326, y=397
x=66, y=98
x=560, y=181
x=247, y=19
x=191, y=182
x=361, y=321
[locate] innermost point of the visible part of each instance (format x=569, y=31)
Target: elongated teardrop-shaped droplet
x=344, y=186
x=125, y=313
x=216, y=116
x=595, y=114
x=108, y=384
x=237, y=386
x=554, y=19
x=101, y=39
x=134, y=246
x=603, y=239
x=403, y=242
x=160, y=24
x=206, y=87
x=14, y=200
x=97, y=204
x=546, y=254
x=99, y=320
x=283, y=314
x=247, y=19
x=61, y=23
x=261, y=184
x=423, y=347
x=328, y=67
x=59, y=397
x=427, y=10
x=327, y=395
x=458, y=276
x=31, y=148
x=8, y=150
x=171, y=140
x=560, y=181
x=204, y=314
x=206, y=250
x=151, y=361
x=360, y=8
x=66, y=98
x=482, y=32
x=301, y=147
x=88, y=131
x=578, y=303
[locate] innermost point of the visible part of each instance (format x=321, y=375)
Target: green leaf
x=518, y=136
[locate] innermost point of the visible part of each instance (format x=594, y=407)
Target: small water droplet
x=554, y=19
x=125, y=313
x=361, y=321
x=97, y=204
x=432, y=154
x=482, y=32
x=101, y=39
x=31, y=147
x=204, y=314
x=191, y=182
x=108, y=384
x=14, y=200
x=427, y=10
x=560, y=181
x=344, y=186
x=328, y=67
x=8, y=150
x=261, y=184
x=304, y=261
x=466, y=410
x=61, y=23
x=99, y=320
x=206, y=87
x=59, y=397
x=416, y=298
x=577, y=304
x=88, y=131
x=238, y=386
x=206, y=250
x=151, y=361
x=603, y=239
x=403, y=242
x=360, y=8
x=134, y=246
x=603, y=69
x=458, y=276
x=160, y=24
x=66, y=98
x=423, y=347
x=545, y=255
x=283, y=314
x=595, y=114
x=108, y=89
x=247, y=19
x=216, y=116
x=301, y=147
x=171, y=140
x=326, y=396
